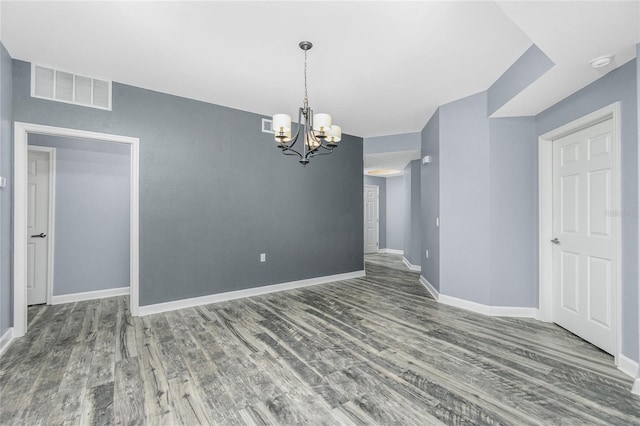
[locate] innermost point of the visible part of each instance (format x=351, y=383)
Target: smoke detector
x=601, y=61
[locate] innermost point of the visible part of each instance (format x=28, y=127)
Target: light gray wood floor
x=376, y=350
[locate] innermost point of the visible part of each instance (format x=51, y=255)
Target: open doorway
x=50, y=139
x=77, y=219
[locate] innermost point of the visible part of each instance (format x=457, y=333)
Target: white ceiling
x=379, y=68
x=572, y=35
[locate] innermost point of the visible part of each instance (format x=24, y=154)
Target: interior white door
x=371, y=219
x=37, y=226
x=585, y=275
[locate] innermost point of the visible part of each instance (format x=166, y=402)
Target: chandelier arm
x=323, y=153
x=313, y=149
x=313, y=136
x=307, y=126
x=314, y=152
x=293, y=152
x=294, y=139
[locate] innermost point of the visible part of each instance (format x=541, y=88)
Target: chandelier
x=317, y=134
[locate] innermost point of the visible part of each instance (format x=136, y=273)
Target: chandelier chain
x=306, y=97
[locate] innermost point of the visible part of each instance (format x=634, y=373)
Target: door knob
x=40, y=235
x=555, y=241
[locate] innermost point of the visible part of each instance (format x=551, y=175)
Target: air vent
x=56, y=85
x=267, y=125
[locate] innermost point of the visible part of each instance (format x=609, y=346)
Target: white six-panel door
x=585, y=236
x=370, y=219
x=37, y=226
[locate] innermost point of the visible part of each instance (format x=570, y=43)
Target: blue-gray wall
x=617, y=86
x=488, y=204
x=411, y=236
x=513, y=212
x=6, y=170
x=488, y=196
x=395, y=213
x=465, y=235
x=430, y=201
x=381, y=183
x=392, y=143
x=528, y=68
x=215, y=193
x=91, y=214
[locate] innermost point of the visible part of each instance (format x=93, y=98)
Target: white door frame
x=377, y=218
x=545, y=197
x=52, y=212
x=21, y=133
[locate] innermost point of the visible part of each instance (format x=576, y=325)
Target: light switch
x=437, y=222
x=263, y=257
x=3, y=182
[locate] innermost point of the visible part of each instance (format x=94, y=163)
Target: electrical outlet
x=426, y=253
x=263, y=257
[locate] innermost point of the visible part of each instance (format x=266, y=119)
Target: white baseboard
x=415, y=268
x=89, y=295
x=430, y=288
x=636, y=386
x=391, y=251
x=240, y=294
x=494, y=311
x=513, y=311
x=627, y=366
x=6, y=340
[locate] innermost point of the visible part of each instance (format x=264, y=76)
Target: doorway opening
x=21, y=235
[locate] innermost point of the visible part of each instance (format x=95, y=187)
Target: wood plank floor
x=375, y=350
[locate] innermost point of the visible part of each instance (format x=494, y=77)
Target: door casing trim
x=545, y=210
x=21, y=133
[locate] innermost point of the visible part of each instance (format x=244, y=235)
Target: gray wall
x=215, y=193
x=92, y=214
x=617, y=86
x=381, y=183
x=528, y=68
x=513, y=212
x=411, y=235
x=430, y=201
x=392, y=143
x=395, y=213
x=6, y=166
x=465, y=268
